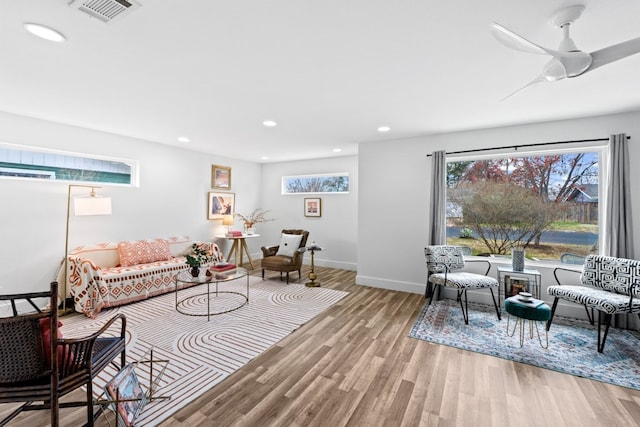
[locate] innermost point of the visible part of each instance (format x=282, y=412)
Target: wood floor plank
x=355, y=365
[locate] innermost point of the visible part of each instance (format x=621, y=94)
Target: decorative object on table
x=258, y=216
x=196, y=258
x=287, y=256
x=517, y=258
x=569, y=351
x=221, y=204
x=83, y=206
x=220, y=177
x=312, y=274
x=313, y=206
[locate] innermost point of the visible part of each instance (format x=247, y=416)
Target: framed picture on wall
x=312, y=206
x=220, y=177
x=221, y=204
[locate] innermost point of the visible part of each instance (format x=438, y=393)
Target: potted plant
x=196, y=258
x=258, y=216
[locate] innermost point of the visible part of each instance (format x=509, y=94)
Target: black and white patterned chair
x=608, y=284
x=444, y=263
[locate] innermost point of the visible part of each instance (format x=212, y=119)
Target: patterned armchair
x=443, y=265
x=608, y=284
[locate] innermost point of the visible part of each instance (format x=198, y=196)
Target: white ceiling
x=329, y=72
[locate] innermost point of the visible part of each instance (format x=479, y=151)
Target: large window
x=547, y=202
x=35, y=163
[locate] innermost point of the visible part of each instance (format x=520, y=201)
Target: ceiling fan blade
x=515, y=41
x=541, y=78
x=615, y=52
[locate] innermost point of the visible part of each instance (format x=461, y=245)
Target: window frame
x=133, y=164
x=602, y=148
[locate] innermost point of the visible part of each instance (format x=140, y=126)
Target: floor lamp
x=87, y=205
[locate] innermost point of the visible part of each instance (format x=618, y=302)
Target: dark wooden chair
x=273, y=261
x=31, y=374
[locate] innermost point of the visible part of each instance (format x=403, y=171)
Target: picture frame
x=127, y=395
x=515, y=284
x=220, y=177
x=313, y=206
x=221, y=204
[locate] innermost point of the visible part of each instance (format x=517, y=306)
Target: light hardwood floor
x=354, y=365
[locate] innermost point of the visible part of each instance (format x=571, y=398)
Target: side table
x=239, y=247
x=312, y=274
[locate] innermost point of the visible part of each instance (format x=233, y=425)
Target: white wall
x=395, y=183
x=335, y=230
x=171, y=200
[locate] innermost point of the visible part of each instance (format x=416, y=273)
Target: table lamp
x=227, y=220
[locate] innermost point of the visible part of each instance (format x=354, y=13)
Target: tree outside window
x=545, y=203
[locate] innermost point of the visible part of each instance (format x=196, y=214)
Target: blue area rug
x=572, y=343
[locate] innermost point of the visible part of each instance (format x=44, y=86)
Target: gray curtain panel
x=438, y=235
x=618, y=234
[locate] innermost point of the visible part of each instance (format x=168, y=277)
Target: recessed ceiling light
x=45, y=32
x=384, y=129
x=264, y=158
x=183, y=139
x=337, y=150
x=269, y=123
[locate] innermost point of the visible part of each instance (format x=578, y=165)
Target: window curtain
x=438, y=235
x=618, y=233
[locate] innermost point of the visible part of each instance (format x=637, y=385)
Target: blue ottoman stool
x=534, y=313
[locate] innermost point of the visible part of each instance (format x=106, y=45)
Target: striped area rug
x=202, y=353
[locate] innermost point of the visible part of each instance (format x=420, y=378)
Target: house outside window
x=546, y=202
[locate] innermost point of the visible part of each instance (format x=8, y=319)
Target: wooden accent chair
x=276, y=259
x=37, y=366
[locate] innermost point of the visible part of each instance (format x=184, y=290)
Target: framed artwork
x=312, y=206
x=126, y=393
x=221, y=204
x=220, y=177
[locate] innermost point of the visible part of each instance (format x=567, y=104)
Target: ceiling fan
x=567, y=61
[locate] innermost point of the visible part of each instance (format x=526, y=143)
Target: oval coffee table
x=226, y=300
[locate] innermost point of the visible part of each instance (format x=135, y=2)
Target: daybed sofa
x=116, y=273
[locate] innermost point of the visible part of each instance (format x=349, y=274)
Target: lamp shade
x=92, y=206
x=227, y=220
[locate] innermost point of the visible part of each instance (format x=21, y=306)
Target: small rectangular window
x=318, y=184
x=21, y=162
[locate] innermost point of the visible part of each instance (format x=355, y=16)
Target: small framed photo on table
x=220, y=177
x=312, y=206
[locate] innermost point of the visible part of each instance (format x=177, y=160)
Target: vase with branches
x=258, y=216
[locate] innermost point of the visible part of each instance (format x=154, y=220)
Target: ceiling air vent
x=104, y=10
